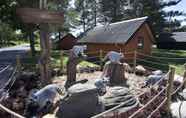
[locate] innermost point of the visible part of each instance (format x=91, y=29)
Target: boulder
x=152, y=79
x=183, y=94
x=118, y=95
x=178, y=109
x=157, y=72
x=82, y=101
x=140, y=70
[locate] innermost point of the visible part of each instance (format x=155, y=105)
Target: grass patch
x=55, y=60
x=165, y=58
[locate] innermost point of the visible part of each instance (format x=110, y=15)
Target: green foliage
x=7, y=35
x=117, y=10
x=158, y=18
x=114, y=10
x=88, y=13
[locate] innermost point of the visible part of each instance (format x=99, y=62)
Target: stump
x=115, y=72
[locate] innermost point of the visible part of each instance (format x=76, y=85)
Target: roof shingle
x=119, y=32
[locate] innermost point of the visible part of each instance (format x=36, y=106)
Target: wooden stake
x=170, y=87
x=134, y=63
x=61, y=62
x=101, y=59
x=18, y=63
x=184, y=76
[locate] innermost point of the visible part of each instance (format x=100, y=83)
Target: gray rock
x=118, y=95
x=152, y=79
x=82, y=101
x=178, y=109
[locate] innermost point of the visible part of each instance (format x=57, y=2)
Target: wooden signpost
x=42, y=17
x=38, y=16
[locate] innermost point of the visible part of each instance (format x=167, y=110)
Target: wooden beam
x=38, y=16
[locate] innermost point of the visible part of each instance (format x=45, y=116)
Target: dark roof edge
x=132, y=36
x=68, y=34
x=135, y=32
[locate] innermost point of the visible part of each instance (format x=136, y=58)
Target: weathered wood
x=71, y=69
x=134, y=63
x=18, y=63
x=61, y=62
x=184, y=76
x=10, y=112
x=44, y=61
x=170, y=88
x=38, y=16
x=116, y=73
x=101, y=59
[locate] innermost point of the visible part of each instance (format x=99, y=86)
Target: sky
x=181, y=7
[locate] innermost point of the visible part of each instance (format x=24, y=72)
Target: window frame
x=141, y=43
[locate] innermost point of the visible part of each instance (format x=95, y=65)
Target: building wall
x=130, y=46
x=67, y=42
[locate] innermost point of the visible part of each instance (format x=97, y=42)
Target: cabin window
x=140, y=43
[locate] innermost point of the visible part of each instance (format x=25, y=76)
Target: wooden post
x=134, y=63
x=170, y=87
x=101, y=59
x=18, y=63
x=61, y=62
x=184, y=76
x=44, y=62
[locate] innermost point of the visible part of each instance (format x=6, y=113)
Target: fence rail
x=134, y=61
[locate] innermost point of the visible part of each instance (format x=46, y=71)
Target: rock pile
x=19, y=92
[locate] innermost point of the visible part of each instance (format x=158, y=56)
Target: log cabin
x=174, y=40
x=67, y=42
x=125, y=36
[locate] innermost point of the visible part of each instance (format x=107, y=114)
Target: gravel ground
x=134, y=82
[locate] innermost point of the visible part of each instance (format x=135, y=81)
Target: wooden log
x=170, y=88
x=10, y=112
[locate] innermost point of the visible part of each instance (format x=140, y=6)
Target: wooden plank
x=37, y=16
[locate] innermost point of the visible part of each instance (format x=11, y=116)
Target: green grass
x=55, y=60
x=162, y=58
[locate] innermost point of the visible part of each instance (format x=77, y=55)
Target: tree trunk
x=59, y=35
x=84, y=23
x=44, y=61
x=32, y=43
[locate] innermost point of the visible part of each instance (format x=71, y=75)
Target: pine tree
x=88, y=13
x=157, y=16
x=113, y=10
